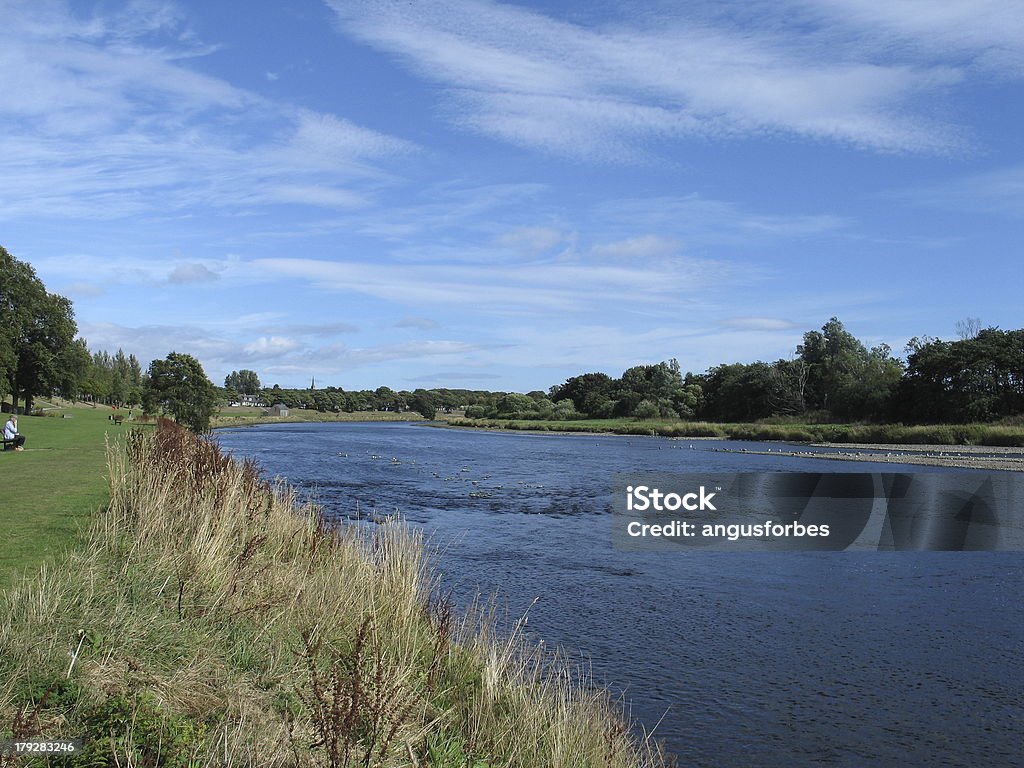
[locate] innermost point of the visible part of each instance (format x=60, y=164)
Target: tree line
x=832, y=376
x=426, y=402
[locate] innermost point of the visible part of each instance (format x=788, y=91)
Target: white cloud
x=641, y=247
x=758, y=323
x=513, y=288
x=603, y=92
x=108, y=117
x=999, y=191
x=266, y=347
x=533, y=240
x=191, y=273
x=987, y=33
x=318, y=329
x=419, y=323
x=704, y=220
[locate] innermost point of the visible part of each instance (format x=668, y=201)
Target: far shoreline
x=974, y=457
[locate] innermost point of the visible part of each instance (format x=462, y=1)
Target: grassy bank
x=50, y=490
x=240, y=417
x=207, y=620
x=894, y=434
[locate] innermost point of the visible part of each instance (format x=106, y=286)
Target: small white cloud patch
x=191, y=273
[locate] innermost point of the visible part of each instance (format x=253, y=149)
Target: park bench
x=8, y=444
x=117, y=419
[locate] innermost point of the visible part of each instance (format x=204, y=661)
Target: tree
x=36, y=335
x=844, y=376
x=422, y=402
x=178, y=386
x=244, y=382
x=663, y=385
x=588, y=392
x=975, y=379
x=968, y=328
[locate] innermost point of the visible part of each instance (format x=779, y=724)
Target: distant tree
x=844, y=376
x=564, y=410
x=178, y=386
x=386, y=399
x=663, y=385
x=244, y=382
x=73, y=362
x=976, y=379
x=968, y=328
x=737, y=391
x=788, y=387
x=422, y=402
x=514, y=405
x=587, y=391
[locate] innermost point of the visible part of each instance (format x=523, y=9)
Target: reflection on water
x=768, y=659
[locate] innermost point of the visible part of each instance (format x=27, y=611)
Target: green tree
x=423, y=403
x=36, y=335
x=178, y=386
x=663, y=386
x=975, y=379
x=244, y=382
x=591, y=393
x=844, y=376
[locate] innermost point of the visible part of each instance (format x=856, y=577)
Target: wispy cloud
x=454, y=378
x=517, y=288
x=640, y=248
x=697, y=219
x=758, y=323
x=605, y=91
x=191, y=273
x=106, y=117
x=983, y=33
x=419, y=323
x=318, y=329
x=999, y=191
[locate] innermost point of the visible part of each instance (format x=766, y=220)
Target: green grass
x=925, y=434
x=50, y=490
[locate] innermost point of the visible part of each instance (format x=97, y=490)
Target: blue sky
x=501, y=195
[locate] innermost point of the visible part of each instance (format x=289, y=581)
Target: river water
x=761, y=659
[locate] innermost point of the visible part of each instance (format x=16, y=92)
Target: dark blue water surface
x=767, y=659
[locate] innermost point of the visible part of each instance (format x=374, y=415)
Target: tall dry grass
x=214, y=620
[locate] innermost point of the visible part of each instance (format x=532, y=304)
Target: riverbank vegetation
x=834, y=388
x=924, y=434
x=209, y=619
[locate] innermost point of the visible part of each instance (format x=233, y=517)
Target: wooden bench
x=9, y=444
x=117, y=419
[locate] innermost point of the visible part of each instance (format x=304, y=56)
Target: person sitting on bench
x=11, y=434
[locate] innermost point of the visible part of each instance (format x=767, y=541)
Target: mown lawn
x=49, y=490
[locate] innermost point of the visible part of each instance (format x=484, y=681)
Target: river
x=766, y=659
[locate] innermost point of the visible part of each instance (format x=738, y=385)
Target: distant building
x=279, y=409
